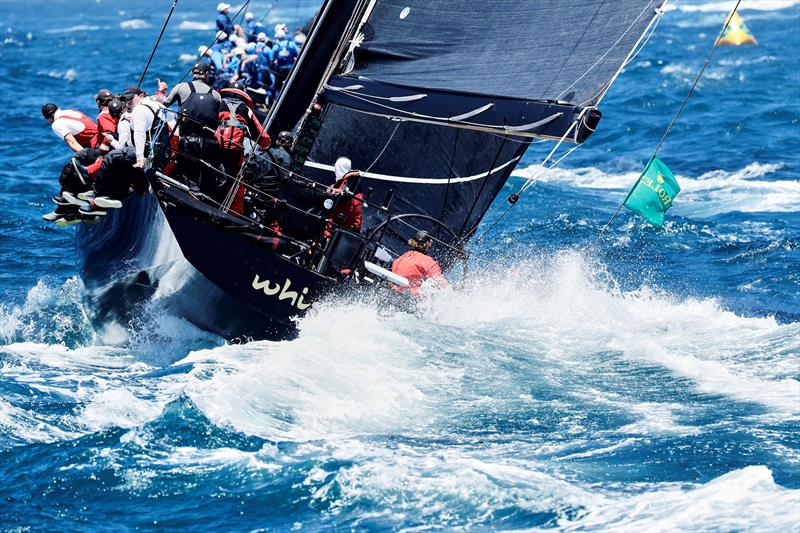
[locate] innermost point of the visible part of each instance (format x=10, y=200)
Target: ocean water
x=651, y=383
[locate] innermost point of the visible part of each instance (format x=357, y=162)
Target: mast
x=323, y=46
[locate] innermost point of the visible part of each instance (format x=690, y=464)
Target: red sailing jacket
x=350, y=207
x=238, y=121
x=416, y=267
x=105, y=124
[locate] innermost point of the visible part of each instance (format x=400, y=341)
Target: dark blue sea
x=649, y=384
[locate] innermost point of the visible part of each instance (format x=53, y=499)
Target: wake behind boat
x=398, y=119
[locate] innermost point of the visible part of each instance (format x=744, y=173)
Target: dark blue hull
x=129, y=258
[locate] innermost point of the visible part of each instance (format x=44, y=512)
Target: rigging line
x=638, y=47
x=271, y=7
x=480, y=193
x=552, y=166
x=602, y=57
x=160, y=35
x=535, y=176
x=672, y=122
x=216, y=38
x=385, y=146
x=450, y=173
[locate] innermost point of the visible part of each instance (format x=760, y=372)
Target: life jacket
x=347, y=214
x=198, y=112
x=157, y=137
x=105, y=124
x=232, y=129
x=88, y=137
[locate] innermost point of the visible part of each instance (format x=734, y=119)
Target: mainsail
x=439, y=99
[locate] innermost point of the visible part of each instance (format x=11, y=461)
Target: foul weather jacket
x=416, y=267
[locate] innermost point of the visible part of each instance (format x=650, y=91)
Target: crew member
x=252, y=27
x=237, y=122
x=145, y=119
x=347, y=210
x=198, y=122
x=224, y=23
x=106, y=123
x=416, y=266
x=76, y=129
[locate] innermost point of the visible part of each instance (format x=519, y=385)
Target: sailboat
x=434, y=101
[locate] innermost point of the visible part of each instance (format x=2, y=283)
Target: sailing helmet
x=248, y=16
x=201, y=70
x=261, y=37
x=103, y=97
x=422, y=237
x=342, y=167
x=222, y=6
x=285, y=138
x=116, y=107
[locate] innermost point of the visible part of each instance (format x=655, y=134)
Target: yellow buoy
x=736, y=32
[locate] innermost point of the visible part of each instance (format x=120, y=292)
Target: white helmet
x=342, y=167
x=248, y=16
x=222, y=6
x=222, y=36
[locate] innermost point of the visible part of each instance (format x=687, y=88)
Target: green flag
x=653, y=193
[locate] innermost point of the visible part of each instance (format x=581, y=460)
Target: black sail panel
x=565, y=50
x=449, y=174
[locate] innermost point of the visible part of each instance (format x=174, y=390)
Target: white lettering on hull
x=282, y=292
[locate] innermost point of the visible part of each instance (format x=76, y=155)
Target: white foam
x=68, y=75
x=73, y=29
x=347, y=373
x=709, y=194
x=742, y=500
x=192, y=25
x=727, y=6
x=134, y=24
x=567, y=307
x=118, y=408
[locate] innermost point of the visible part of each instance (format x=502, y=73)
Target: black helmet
x=285, y=138
x=116, y=108
x=48, y=110
x=103, y=97
x=201, y=69
x=422, y=237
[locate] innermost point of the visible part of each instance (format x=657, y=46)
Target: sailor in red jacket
x=106, y=123
x=416, y=266
x=237, y=121
x=347, y=212
x=75, y=128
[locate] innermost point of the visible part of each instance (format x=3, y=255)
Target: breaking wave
x=192, y=25
x=710, y=194
x=67, y=75
x=550, y=343
x=134, y=24
x=73, y=29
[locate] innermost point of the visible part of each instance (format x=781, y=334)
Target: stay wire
x=158, y=41
x=672, y=122
x=216, y=38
